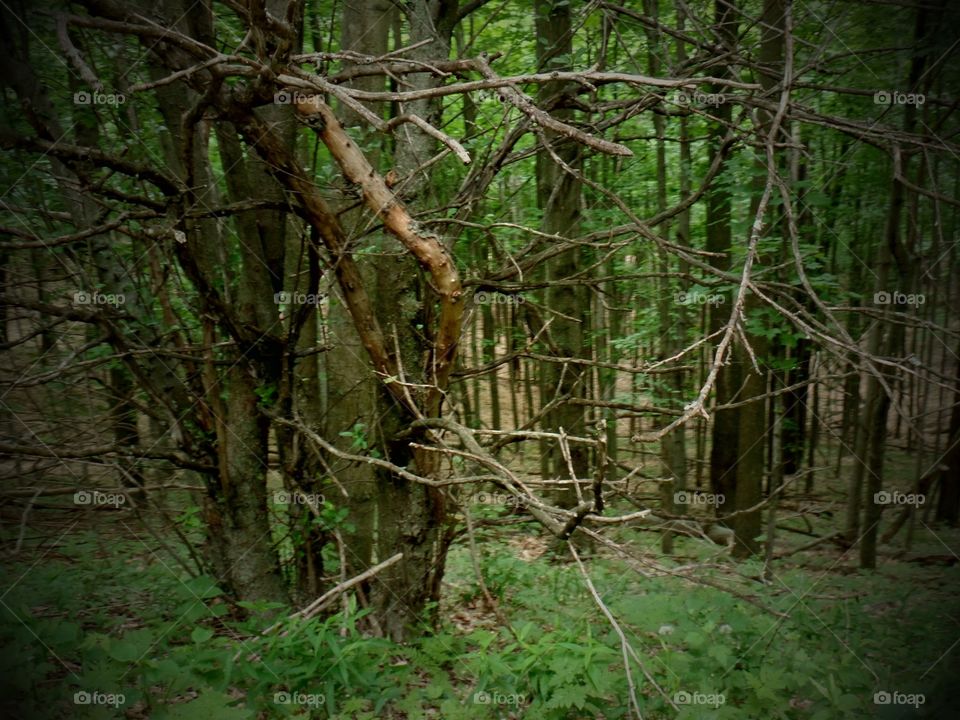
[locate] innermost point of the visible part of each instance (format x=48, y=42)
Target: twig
x=317, y=605
x=23, y=522
x=623, y=639
x=807, y=546
x=474, y=559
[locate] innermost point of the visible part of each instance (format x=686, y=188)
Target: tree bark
x=753, y=425
x=725, y=431
x=559, y=197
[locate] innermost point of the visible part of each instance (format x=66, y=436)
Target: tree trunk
x=725, y=432
x=948, y=504
x=673, y=454
x=753, y=418
x=892, y=249
x=558, y=195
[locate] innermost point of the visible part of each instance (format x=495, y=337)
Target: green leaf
x=200, y=634
x=567, y=696
x=385, y=697
x=211, y=705
x=131, y=647
x=720, y=653
x=203, y=587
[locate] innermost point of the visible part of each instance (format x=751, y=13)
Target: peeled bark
x=392, y=514
x=425, y=246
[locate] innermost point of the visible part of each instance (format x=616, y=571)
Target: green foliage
x=360, y=439
x=266, y=395
x=173, y=649
x=112, y=617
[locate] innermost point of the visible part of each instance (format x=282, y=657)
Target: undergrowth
x=97, y=630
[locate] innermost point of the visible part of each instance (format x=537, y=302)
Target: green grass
x=113, y=618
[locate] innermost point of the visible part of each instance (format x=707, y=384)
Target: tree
x=726, y=425
x=248, y=258
x=559, y=199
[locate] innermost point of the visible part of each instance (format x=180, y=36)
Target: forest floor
x=94, y=611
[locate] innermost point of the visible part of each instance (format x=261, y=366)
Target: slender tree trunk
x=948, y=503
x=753, y=420
x=558, y=195
x=725, y=431
x=892, y=250
x=673, y=454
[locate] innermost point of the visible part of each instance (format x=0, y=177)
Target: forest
x=465, y=359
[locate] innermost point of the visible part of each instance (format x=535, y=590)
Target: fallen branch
x=625, y=646
x=317, y=605
x=807, y=546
